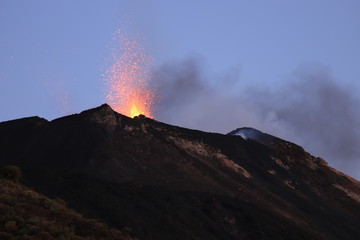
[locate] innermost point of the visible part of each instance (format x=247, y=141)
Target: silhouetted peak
x=28, y=122
x=102, y=109
x=256, y=135
x=103, y=115
x=264, y=138
x=247, y=133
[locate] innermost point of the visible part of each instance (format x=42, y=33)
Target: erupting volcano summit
x=129, y=80
x=167, y=182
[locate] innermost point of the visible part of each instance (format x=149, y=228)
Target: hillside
x=26, y=215
x=167, y=182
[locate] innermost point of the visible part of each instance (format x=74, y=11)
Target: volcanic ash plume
x=128, y=80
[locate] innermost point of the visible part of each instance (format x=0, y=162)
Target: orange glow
x=134, y=111
x=128, y=80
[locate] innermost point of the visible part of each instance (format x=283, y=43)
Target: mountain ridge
x=170, y=173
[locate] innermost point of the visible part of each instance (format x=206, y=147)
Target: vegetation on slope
x=27, y=215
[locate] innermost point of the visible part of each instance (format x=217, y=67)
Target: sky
x=289, y=68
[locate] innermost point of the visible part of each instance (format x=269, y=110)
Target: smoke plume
x=310, y=109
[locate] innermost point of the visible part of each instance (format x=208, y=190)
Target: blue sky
x=65, y=43
x=53, y=52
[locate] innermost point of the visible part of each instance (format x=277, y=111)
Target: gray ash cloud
x=311, y=108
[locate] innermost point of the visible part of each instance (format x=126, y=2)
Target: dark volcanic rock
x=167, y=182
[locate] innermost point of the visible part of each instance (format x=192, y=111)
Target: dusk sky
x=289, y=68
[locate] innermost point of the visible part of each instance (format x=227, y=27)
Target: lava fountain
x=129, y=79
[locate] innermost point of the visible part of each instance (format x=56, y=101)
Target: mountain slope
x=167, y=182
x=25, y=214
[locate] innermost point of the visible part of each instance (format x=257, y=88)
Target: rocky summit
x=165, y=182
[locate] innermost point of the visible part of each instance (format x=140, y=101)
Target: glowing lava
x=128, y=80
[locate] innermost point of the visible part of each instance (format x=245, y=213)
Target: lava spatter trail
x=129, y=80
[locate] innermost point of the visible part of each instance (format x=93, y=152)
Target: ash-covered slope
x=167, y=182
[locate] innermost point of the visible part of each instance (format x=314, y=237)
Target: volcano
x=168, y=182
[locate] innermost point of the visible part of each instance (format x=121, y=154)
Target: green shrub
x=12, y=173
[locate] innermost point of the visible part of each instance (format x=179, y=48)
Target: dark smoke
x=319, y=114
x=310, y=109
